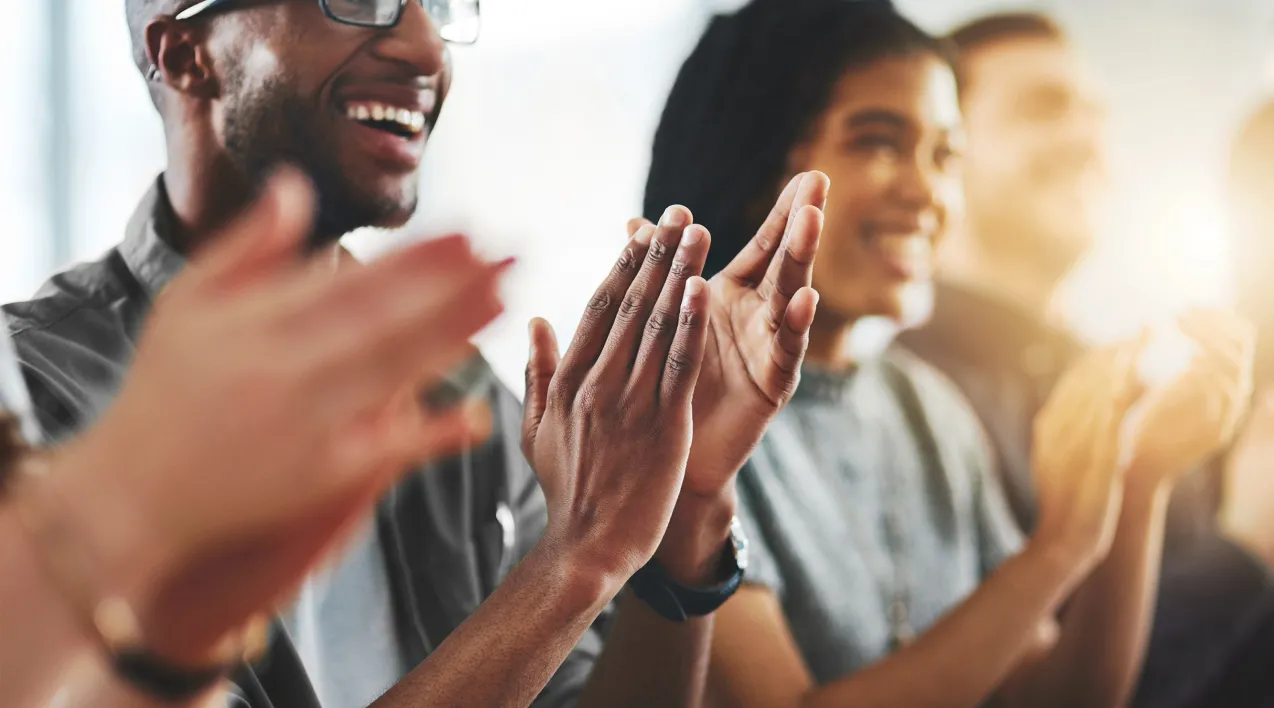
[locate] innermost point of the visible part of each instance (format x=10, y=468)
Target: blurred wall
x=542, y=149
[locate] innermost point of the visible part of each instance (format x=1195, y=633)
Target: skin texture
x=267, y=82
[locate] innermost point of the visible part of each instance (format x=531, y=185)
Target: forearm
x=44, y=650
x=509, y=649
x=1106, y=626
x=964, y=658
x=40, y=638
x=651, y=661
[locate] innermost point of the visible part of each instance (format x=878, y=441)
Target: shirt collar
x=820, y=385
x=147, y=249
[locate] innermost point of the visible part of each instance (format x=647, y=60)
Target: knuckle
x=688, y=319
x=680, y=269
x=659, y=323
x=632, y=305
x=761, y=241
x=600, y=302
x=680, y=362
x=627, y=261
x=589, y=396
x=659, y=251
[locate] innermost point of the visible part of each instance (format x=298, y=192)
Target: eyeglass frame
x=204, y=6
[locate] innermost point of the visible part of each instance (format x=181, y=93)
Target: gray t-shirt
x=342, y=626
x=872, y=510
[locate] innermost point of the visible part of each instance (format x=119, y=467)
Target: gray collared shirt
x=444, y=538
x=872, y=509
x=14, y=398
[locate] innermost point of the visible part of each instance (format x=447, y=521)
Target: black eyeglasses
x=458, y=21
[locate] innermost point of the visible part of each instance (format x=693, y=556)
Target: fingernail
x=643, y=235
x=674, y=218
x=692, y=236
x=692, y=291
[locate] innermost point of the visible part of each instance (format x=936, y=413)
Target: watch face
x=740, y=541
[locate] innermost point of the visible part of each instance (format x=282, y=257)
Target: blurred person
x=149, y=511
x=494, y=578
x=1034, y=177
x=1247, y=507
x=886, y=568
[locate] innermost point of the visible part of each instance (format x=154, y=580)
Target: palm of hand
x=740, y=388
x=1196, y=415
x=762, y=309
x=1177, y=429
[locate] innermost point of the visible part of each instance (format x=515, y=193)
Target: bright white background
x=541, y=151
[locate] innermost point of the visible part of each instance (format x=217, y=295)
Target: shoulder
x=946, y=411
x=74, y=338
x=92, y=286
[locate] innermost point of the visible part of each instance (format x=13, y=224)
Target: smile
x=397, y=120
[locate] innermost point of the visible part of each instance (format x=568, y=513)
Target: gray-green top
x=872, y=509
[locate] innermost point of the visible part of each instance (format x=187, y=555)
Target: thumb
x=540, y=368
x=270, y=232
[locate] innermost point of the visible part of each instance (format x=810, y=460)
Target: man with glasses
x=348, y=90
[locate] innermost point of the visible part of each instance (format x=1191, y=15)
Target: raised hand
x=263, y=416
x=762, y=310
x=608, y=427
x=1180, y=424
x=1078, y=459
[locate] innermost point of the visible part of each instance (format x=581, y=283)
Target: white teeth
x=413, y=121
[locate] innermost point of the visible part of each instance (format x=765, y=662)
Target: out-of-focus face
x=1035, y=166
x=890, y=141
x=353, y=106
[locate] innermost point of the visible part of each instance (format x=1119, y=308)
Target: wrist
x=1146, y=479
x=113, y=528
x=692, y=547
x=588, y=580
x=1067, y=556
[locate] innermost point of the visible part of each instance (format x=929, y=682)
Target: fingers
x=376, y=453
x=790, y=343
x=540, y=367
x=1220, y=331
x=634, y=310
x=663, y=323
x=752, y=263
x=793, y=268
x=408, y=326
x=636, y=224
x=270, y=232
x=595, y=326
x=685, y=359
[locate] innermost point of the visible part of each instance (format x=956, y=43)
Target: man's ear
x=178, y=58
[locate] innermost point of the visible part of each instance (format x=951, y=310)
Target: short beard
x=267, y=126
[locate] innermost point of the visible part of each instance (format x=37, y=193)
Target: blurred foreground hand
x=270, y=405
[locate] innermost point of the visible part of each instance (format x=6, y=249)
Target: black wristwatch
x=676, y=602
